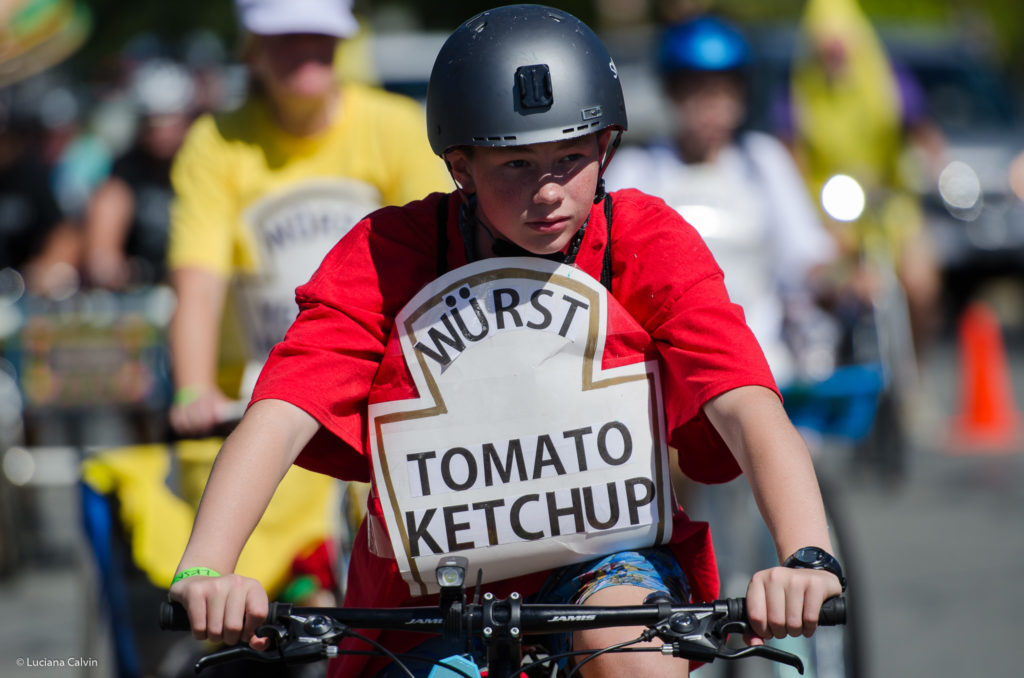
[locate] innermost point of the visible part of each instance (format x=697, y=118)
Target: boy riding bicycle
x=476, y=301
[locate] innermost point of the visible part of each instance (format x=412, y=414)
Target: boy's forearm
x=248, y=469
x=777, y=464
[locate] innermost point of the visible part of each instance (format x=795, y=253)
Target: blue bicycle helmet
x=706, y=43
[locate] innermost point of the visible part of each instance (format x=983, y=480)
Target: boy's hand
x=225, y=609
x=197, y=410
x=784, y=601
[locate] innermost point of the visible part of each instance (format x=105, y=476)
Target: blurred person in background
x=78, y=158
x=739, y=188
x=742, y=192
x=36, y=239
x=128, y=218
x=265, y=191
x=853, y=113
x=261, y=193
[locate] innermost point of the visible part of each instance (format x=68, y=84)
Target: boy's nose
x=550, y=191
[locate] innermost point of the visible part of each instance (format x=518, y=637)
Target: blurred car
x=976, y=219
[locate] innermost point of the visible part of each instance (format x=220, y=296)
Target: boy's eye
x=516, y=163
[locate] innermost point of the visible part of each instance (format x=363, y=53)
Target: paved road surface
x=942, y=554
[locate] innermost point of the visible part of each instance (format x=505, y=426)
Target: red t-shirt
x=337, y=351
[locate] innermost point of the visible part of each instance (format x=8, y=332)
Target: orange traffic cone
x=988, y=420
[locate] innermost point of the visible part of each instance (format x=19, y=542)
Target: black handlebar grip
x=833, y=611
x=173, y=617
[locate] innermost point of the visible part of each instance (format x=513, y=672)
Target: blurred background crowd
x=881, y=143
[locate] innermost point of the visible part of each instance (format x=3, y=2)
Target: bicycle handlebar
x=535, y=617
x=697, y=632
x=227, y=419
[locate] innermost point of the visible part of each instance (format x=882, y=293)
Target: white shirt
x=753, y=210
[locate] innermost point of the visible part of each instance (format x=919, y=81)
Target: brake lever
x=231, y=654
x=766, y=651
x=702, y=637
x=303, y=640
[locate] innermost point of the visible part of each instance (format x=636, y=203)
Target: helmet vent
x=578, y=128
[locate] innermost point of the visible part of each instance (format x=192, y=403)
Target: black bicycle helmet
x=521, y=74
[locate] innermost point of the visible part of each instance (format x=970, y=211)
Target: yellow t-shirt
x=263, y=207
x=231, y=162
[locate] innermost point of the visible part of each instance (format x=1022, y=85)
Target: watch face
x=816, y=559
x=810, y=555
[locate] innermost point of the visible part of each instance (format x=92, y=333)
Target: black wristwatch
x=814, y=558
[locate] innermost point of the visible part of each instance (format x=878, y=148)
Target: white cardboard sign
x=292, y=231
x=522, y=453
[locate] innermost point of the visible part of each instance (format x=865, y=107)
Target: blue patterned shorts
x=653, y=568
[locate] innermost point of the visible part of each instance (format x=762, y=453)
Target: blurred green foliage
x=448, y=15
x=117, y=21
x=996, y=25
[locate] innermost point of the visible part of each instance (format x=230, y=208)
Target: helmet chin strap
x=609, y=152
x=502, y=247
x=451, y=173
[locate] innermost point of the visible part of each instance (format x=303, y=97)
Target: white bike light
x=451, y=572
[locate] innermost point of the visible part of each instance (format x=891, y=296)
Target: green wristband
x=194, y=571
x=186, y=395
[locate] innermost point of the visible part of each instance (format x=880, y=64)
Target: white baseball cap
x=277, y=17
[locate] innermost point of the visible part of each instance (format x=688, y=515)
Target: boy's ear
x=458, y=165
